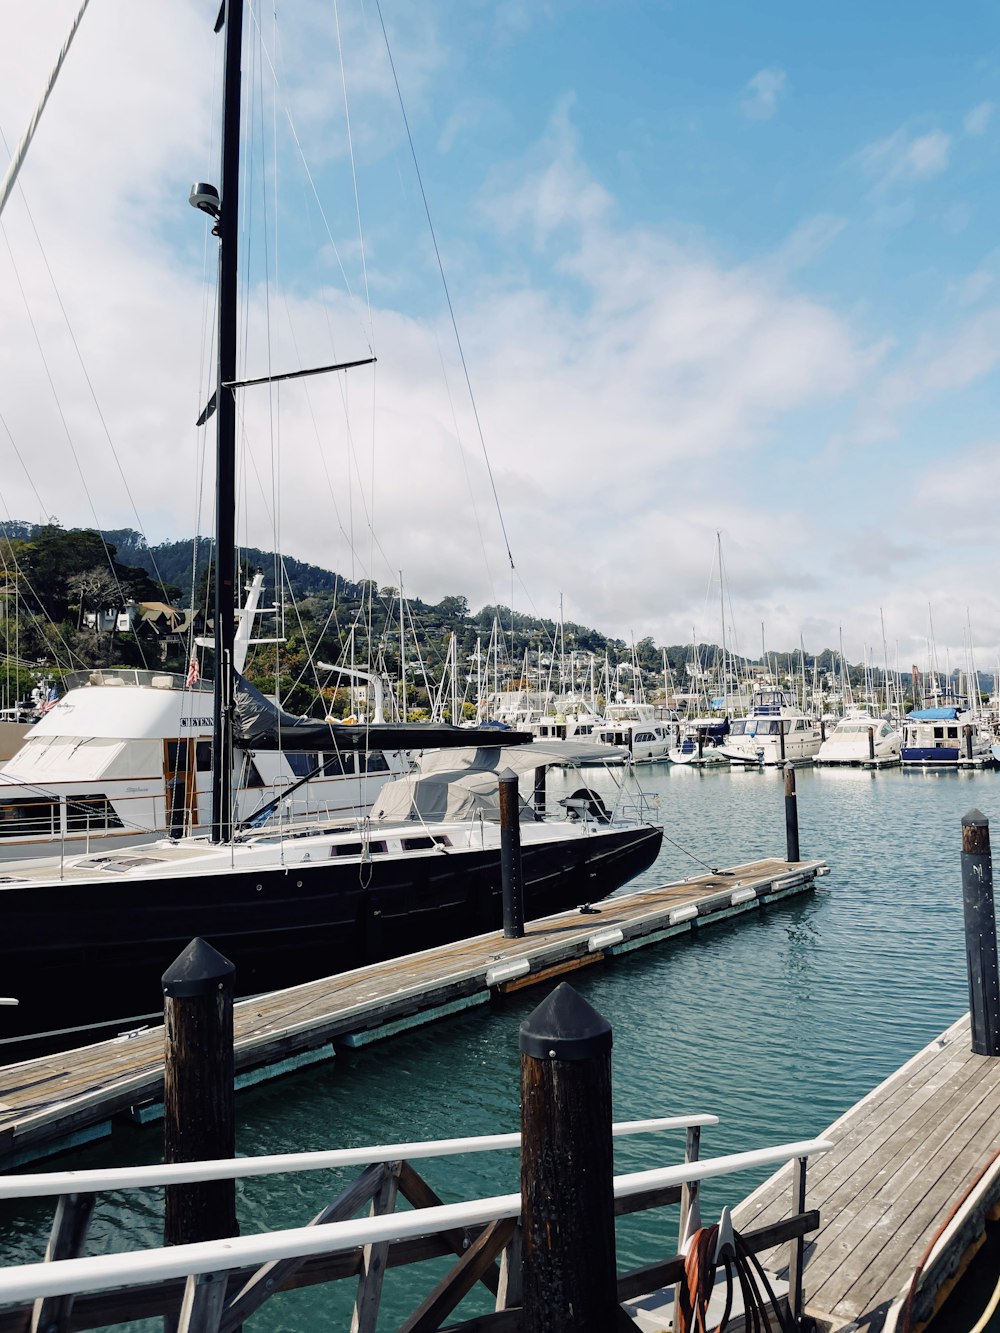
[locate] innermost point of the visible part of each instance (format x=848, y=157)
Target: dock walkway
x=921, y=1145
x=60, y=1101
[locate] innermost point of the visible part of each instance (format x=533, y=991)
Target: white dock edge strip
x=46, y=1184
x=108, y=1271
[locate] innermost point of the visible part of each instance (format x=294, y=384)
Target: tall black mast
x=225, y=481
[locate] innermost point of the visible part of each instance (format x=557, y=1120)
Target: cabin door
x=179, y=784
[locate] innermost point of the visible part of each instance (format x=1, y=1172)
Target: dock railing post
x=980, y=933
x=797, y=1257
x=567, y=1189
x=791, y=816
x=538, y=793
x=511, y=877
x=199, y=1120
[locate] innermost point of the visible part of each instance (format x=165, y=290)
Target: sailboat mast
x=225, y=481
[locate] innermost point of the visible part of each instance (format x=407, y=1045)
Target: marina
x=439, y=1051
x=826, y=1027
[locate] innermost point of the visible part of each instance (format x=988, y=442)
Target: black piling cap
x=565, y=1027
x=974, y=817
x=199, y=970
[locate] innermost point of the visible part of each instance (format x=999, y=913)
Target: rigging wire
x=444, y=284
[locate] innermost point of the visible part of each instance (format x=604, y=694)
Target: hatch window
x=373, y=762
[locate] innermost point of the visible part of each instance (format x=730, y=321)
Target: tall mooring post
x=567, y=1189
x=980, y=933
x=791, y=816
x=199, y=1121
x=511, y=874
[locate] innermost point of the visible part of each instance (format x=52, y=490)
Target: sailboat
x=86, y=939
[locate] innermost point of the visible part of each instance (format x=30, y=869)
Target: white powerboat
x=861, y=739
x=775, y=731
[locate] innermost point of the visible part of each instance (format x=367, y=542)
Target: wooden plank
x=902, y=1157
x=201, y=1308
x=364, y=1317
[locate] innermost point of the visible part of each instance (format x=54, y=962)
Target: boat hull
x=84, y=960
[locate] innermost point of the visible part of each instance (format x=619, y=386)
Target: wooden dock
x=60, y=1101
x=916, y=1157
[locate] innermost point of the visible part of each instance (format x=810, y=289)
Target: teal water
x=776, y=1022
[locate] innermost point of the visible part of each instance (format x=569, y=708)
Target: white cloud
x=762, y=93
x=977, y=121
x=902, y=158
x=636, y=390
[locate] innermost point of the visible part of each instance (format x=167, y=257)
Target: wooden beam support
x=457, y=1284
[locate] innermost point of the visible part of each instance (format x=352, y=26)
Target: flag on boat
x=51, y=699
x=193, y=675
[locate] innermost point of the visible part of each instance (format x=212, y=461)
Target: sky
x=707, y=269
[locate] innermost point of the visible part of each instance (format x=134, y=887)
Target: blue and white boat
x=948, y=736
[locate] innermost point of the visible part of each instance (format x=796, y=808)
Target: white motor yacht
x=861, y=739
x=775, y=731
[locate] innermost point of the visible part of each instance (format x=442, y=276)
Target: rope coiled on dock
x=700, y=1268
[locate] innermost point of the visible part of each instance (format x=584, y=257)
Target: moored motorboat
x=775, y=731
x=948, y=736
x=859, y=739
x=700, y=742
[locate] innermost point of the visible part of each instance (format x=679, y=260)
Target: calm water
x=776, y=1023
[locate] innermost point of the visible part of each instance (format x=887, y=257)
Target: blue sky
x=713, y=266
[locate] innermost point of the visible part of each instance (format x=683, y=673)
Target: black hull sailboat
x=86, y=940
x=84, y=959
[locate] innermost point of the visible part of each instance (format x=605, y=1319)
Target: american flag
x=193, y=675
x=51, y=699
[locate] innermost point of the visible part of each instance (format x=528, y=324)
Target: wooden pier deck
x=920, y=1145
x=60, y=1101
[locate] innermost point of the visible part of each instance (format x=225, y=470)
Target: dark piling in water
x=199, y=1121
x=511, y=874
x=791, y=816
x=567, y=1189
x=980, y=933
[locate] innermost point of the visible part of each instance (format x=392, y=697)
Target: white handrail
x=42, y=1184
x=110, y=1271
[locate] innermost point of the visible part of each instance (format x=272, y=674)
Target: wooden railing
x=217, y=1285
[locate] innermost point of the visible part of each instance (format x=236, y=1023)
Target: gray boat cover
x=262, y=725
x=463, y=784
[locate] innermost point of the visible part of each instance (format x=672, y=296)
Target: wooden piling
x=791, y=816
x=511, y=875
x=871, y=745
x=980, y=933
x=781, y=740
x=567, y=1193
x=198, y=1091
x=967, y=733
